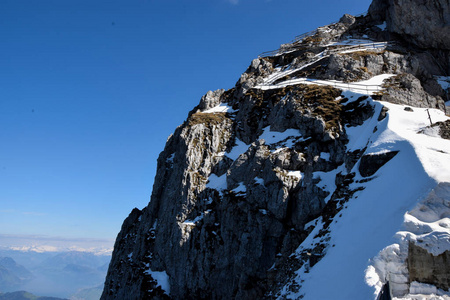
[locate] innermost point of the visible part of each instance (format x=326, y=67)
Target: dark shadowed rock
x=371, y=163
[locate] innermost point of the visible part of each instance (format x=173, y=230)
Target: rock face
x=407, y=89
x=425, y=23
x=218, y=241
x=241, y=183
x=428, y=268
x=371, y=163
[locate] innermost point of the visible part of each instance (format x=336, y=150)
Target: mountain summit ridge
x=290, y=185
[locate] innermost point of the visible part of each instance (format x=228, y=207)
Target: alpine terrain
x=323, y=174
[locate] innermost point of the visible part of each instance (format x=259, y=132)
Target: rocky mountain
x=21, y=295
x=12, y=274
x=72, y=274
x=323, y=174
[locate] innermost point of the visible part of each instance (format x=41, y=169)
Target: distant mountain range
x=22, y=295
x=76, y=275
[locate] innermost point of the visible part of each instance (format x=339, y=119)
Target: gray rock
x=425, y=23
x=424, y=267
x=371, y=163
x=407, y=89
x=211, y=99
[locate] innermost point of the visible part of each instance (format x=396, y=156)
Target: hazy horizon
x=45, y=243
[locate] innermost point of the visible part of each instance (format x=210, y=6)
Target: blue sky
x=91, y=89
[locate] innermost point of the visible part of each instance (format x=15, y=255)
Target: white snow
x=273, y=137
x=401, y=203
x=161, y=278
x=313, y=223
x=376, y=80
x=427, y=291
x=259, y=181
x=155, y=224
x=297, y=174
x=359, y=136
x=432, y=131
x=367, y=87
x=428, y=224
x=325, y=156
x=444, y=81
x=284, y=140
x=221, y=108
x=382, y=26
x=241, y=189
x=193, y=222
x=216, y=182
x=327, y=180
x=352, y=42
x=239, y=148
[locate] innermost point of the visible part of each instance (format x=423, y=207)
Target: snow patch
x=432, y=131
x=365, y=87
x=425, y=291
x=444, y=81
x=161, y=278
x=193, y=222
x=240, y=190
x=382, y=26
x=328, y=180
x=351, y=42
x=239, y=148
x=273, y=137
x=217, y=182
x=259, y=181
x=297, y=174
x=221, y=108
x=282, y=140
x=325, y=156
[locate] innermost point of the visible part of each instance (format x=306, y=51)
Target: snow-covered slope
x=399, y=204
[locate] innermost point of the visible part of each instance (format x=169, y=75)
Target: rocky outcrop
x=371, y=163
x=407, y=89
x=444, y=129
x=427, y=268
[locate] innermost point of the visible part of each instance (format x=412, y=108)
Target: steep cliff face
x=424, y=23
x=252, y=190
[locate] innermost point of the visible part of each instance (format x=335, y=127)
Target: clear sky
x=91, y=89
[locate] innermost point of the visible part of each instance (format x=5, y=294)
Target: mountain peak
x=296, y=181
